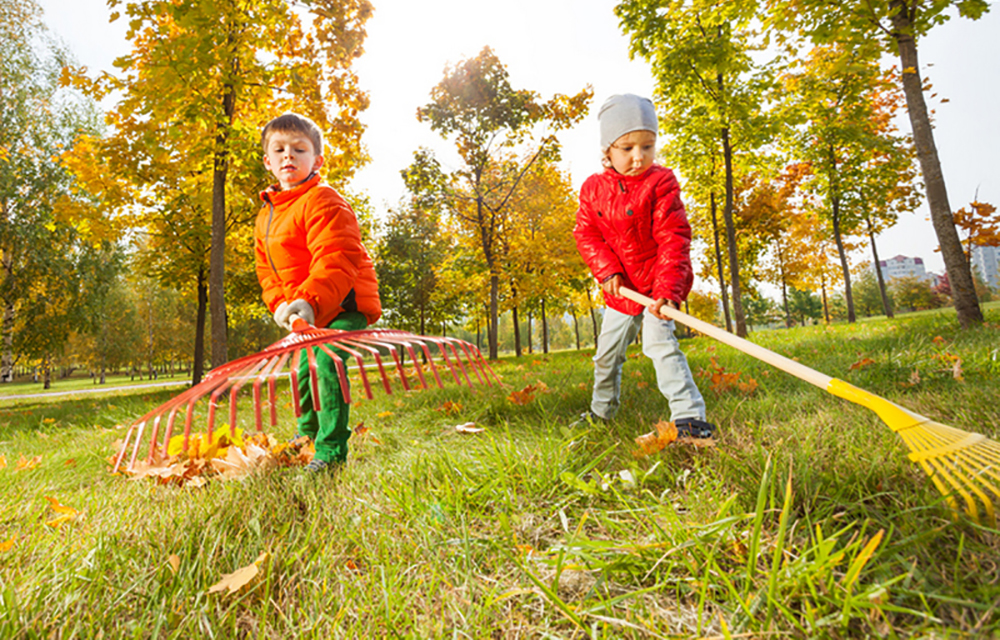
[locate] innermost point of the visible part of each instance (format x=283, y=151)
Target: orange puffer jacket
x=308, y=245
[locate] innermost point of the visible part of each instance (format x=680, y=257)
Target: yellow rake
x=957, y=462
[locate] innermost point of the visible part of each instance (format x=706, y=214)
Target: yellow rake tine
x=956, y=461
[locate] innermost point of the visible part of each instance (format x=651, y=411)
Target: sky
x=561, y=46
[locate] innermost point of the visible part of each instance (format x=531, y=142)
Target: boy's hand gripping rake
x=958, y=462
x=266, y=367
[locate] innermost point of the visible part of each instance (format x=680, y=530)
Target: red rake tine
x=378, y=360
x=338, y=362
x=272, y=392
x=444, y=352
x=376, y=356
x=258, y=418
x=430, y=363
x=313, y=379
x=478, y=356
x=470, y=361
x=293, y=372
x=394, y=352
x=154, y=436
x=416, y=364
x=361, y=364
x=265, y=374
x=244, y=375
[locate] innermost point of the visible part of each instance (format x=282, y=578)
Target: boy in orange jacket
x=310, y=263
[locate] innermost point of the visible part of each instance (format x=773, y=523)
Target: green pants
x=328, y=427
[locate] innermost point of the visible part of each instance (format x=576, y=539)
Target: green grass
x=807, y=520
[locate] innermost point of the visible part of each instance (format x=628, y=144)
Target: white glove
x=300, y=308
x=281, y=314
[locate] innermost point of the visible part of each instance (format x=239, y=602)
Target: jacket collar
x=611, y=174
x=276, y=196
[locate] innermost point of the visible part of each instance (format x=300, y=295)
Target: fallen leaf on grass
x=723, y=381
x=913, y=381
x=25, y=464
x=240, y=578
x=468, y=427
x=352, y=566
x=70, y=463
x=239, y=463
x=66, y=514
x=174, y=562
x=9, y=544
x=3, y=462
x=938, y=340
x=524, y=396
x=365, y=434
x=384, y=414
x=450, y=407
x=862, y=363
x=655, y=441
x=956, y=370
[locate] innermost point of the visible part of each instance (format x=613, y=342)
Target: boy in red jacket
x=311, y=264
x=632, y=231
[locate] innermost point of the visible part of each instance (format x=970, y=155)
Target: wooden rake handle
x=787, y=365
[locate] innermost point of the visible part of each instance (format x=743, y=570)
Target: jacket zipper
x=267, y=234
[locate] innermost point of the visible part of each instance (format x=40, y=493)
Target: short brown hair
x=295, y=123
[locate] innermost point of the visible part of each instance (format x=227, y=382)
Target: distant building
x=986, y=261
x=904, y=267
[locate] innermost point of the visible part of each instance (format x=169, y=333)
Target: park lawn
x=80, y=385
x=806, y=520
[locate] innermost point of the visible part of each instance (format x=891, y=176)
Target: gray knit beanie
x=621, y=114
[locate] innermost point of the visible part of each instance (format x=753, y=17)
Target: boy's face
x=290, y=157
x=633, y=153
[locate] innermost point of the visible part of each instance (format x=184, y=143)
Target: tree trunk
x=531, y=342
x=545, y=330
x=826, y=306
x=835, y=218
x=718, y=263
x=593, y=316
x=517, y=335
x=7, y=360
x=492, y=325
x=149, y=304
x=199, y=330
x=576, y=330
x=886, y=307
x=963, y=288
x=784, y=286
x=46, y=373
x=104, y=342
x=217, y=259
x=734, y=265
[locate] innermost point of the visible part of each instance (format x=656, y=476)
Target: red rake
x=268, y=365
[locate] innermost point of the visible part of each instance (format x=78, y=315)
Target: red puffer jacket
x=636, y=226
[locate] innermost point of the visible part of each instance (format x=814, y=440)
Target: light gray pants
x=673, y=376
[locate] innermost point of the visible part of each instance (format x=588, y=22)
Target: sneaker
x=317, y=466
x=694, y=428
x=587, y=418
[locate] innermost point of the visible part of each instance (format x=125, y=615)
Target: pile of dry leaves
x=223, y=456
